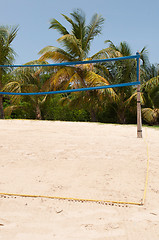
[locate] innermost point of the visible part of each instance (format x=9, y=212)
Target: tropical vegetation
x=116, y=105
x=7, y=57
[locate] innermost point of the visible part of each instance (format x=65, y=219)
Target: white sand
x=77, y=160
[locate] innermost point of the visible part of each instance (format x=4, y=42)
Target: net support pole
x=139, y=121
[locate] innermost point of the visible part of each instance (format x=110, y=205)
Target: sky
x=133, y=21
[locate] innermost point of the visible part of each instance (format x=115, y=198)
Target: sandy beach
x=104, y=162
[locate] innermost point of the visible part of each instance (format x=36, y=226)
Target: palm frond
x=78, y=16
x=113, y=53
x=125, y=49
x=144, y=57
x=78, y=100
x=58, y=26
x=62, y=75
x=68, y=19
x=55, y=54
x=102, y=54
x=7, y=54
x=111, y=45
x=104, y=71
x=72, y=45
x=13, y=86
x=118, y=51
x=12, y=34
x=94, y=28
x=95, y=80
x=153, y=82
x=64, y=101
x=75, y=81
x=8, y=110
x=78, y=25
x=150, y=115
x=134, y=97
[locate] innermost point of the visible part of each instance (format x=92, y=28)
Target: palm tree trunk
x=93, y=115
x=121, y=116
x=1, y=97
x=38, y=113
x=1, y=107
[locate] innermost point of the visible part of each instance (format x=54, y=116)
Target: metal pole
x=139, y=121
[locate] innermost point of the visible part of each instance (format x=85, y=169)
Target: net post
x=139, y=121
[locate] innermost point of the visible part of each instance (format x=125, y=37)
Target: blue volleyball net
x=137, y=82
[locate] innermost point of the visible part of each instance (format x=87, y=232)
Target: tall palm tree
x=7, y=56
x=76, y=42
x=76, y=46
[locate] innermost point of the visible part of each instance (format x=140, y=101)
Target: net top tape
x=137, y=56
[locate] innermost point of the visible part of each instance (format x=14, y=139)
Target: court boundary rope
x=106, y=202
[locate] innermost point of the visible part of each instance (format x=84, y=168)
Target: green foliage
x=7, y=54
x=53, y=110
x=24, y=110
x=150, y=91
x=7, y=57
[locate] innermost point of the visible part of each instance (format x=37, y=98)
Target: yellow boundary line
x=92, y=200
x=147, y=170
x=70, y=199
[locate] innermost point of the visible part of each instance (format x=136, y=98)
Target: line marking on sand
x=147, y=169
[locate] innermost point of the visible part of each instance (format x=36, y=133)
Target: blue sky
x=133, y=21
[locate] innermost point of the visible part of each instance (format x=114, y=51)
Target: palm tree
x=76, y=42
x=76, y=46
x=150, y=95
x=121, y=72
x=149, y=71
x=7, y=56
x=29, y=79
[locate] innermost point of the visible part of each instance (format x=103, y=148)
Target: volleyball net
x=137, y=82
x=106, y=86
